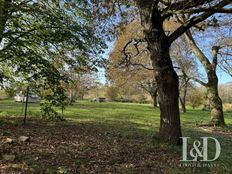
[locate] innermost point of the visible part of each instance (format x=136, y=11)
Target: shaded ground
x=105, y=138
x=81, y=148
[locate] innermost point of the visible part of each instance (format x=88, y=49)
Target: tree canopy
x=39, y=35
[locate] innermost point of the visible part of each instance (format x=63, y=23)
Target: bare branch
x=127, y=56
x=225, y=53
x=198, y=81
x=200, y=10
x=196, y=50
x=194, y=20
x=149, y=85
x=226, y=69
x=215, y=50
x=185, y=4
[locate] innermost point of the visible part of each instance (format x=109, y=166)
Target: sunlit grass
x=131, y=118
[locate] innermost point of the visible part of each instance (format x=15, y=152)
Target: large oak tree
x=153, y=14
x=128, y=67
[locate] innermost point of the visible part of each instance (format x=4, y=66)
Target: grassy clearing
x=108, y=137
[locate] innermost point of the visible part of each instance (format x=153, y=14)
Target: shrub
x=48, y=112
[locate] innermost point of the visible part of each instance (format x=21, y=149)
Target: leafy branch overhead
x=41, y=40
x=36, y=34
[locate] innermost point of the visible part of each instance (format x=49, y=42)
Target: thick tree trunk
x=168, y=90
x=169, y=107
x=164, y=73
x=215, y=102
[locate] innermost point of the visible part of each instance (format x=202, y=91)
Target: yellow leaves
x=170, y=25
x=128, y=77
x=46, y=92
x=131, y=31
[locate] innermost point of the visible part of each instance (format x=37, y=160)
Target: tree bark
x=216, y=106
x=185, y=88
x=155, y=98
x=168, y=84
x=168, y=90
x=183, y=106
x=215, y=102
x=164, y=73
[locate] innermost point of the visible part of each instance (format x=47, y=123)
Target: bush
x=54, y=97
x=123, y=100
x=49, y=113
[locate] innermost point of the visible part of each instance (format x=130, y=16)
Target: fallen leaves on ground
x=80, y=147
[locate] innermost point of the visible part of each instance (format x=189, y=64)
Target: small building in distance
x=31, y=98
x=99, y=99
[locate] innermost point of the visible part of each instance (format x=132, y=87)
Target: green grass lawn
x=132, y=121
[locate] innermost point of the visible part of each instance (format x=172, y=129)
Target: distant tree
x=111, y=93
x=225, y=43
x=186, y=67
x=80, y=84
x=195, y=98
x=151, y=87
x=97, y=91
x=131, y=72
x=225, y=92
x=216, y=106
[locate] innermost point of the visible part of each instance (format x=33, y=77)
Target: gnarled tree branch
x=194, y=20
x=127, y=56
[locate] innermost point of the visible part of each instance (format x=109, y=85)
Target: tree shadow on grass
x=95, y=147
x=84, y=147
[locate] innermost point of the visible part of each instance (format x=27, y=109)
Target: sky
x=101, y=71
x=224, y=77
